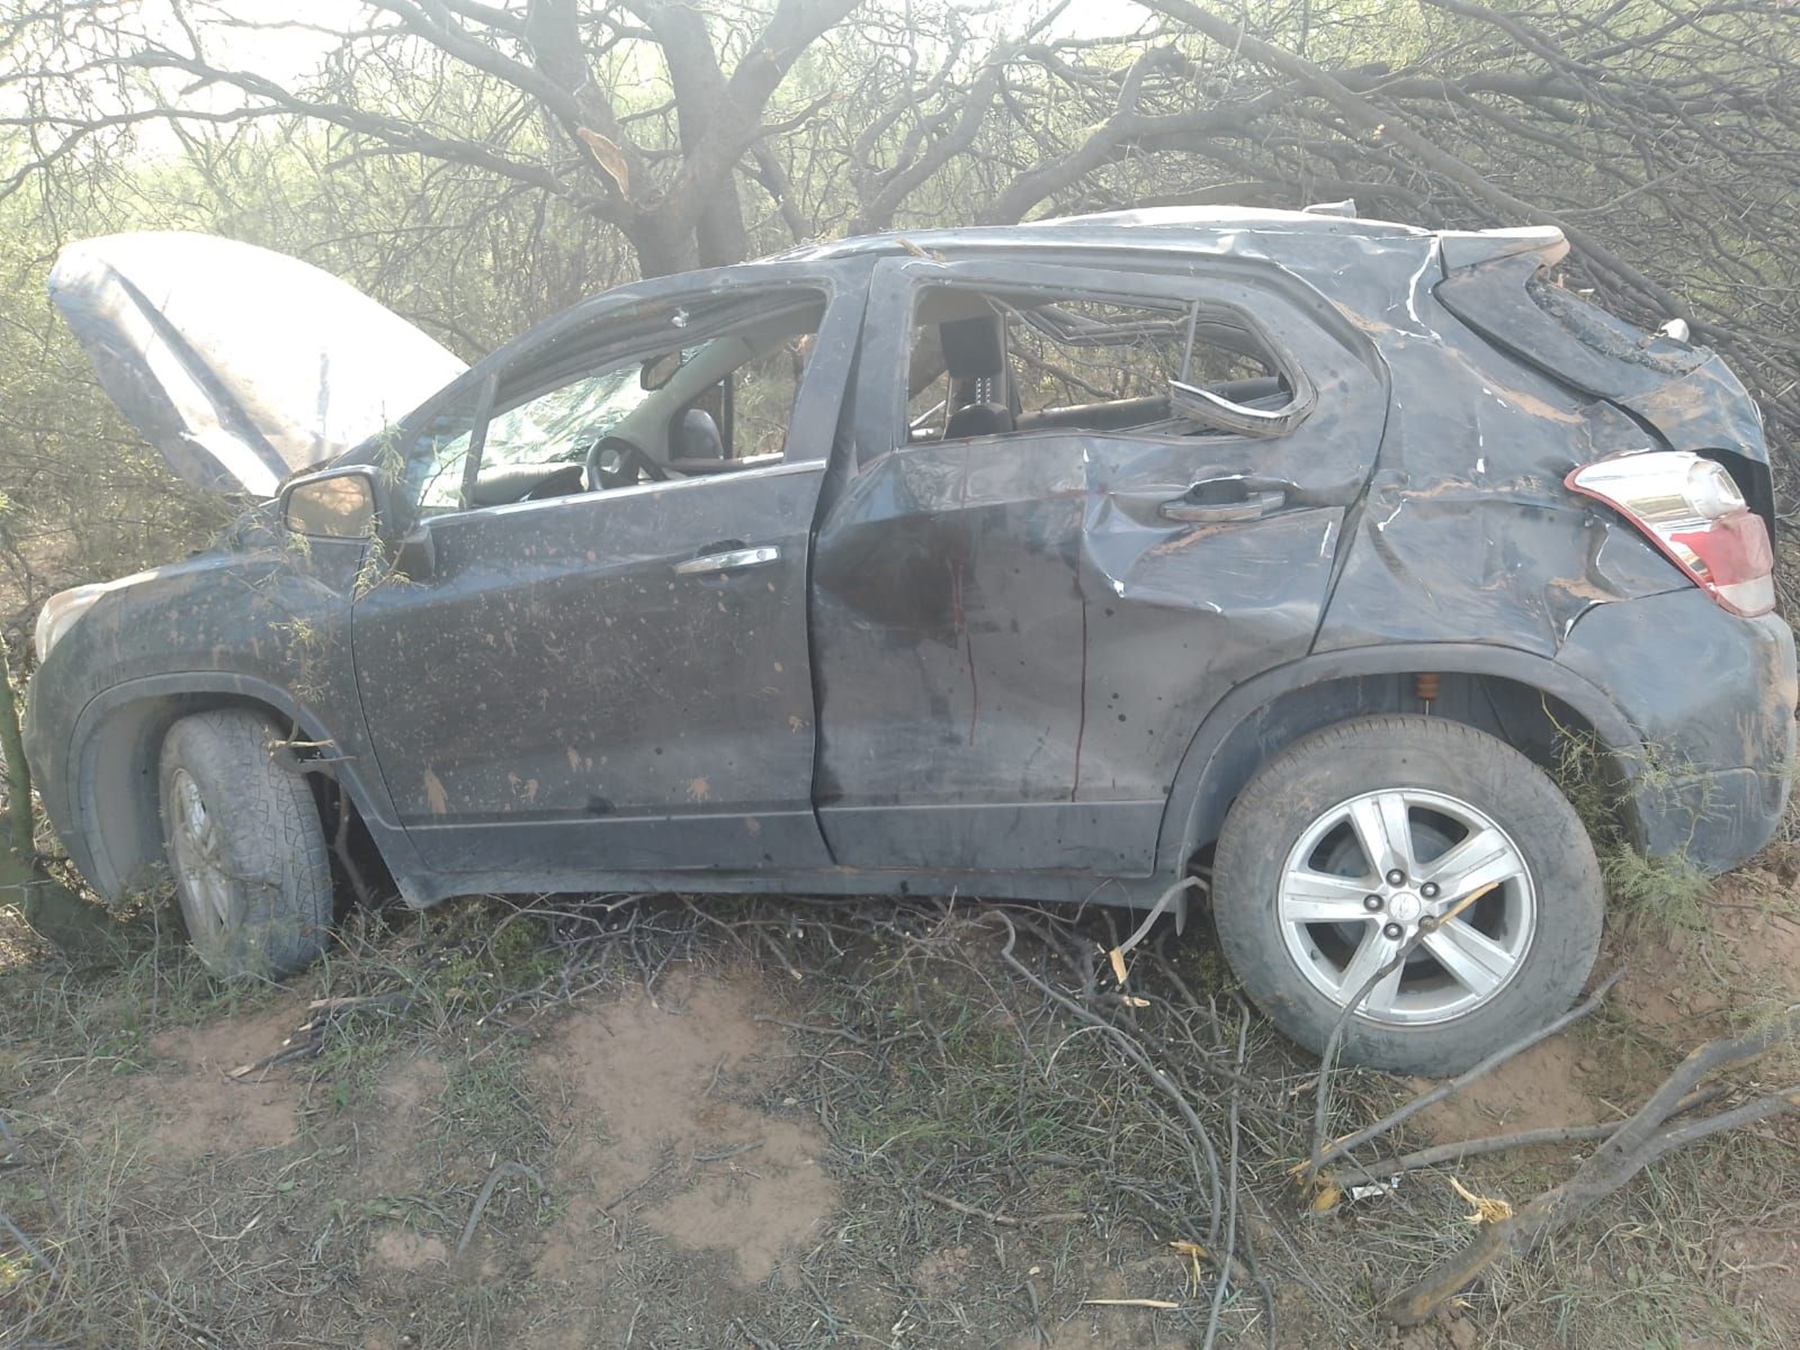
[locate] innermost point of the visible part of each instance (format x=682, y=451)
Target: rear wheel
x=244, y=844
x=1357, y=837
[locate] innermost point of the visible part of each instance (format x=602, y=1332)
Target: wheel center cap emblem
x=1405, y=907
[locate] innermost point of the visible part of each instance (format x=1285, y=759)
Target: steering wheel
x=613, y=462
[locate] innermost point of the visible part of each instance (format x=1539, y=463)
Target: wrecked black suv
x=1056, y=562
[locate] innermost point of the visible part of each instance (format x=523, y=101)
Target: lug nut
x=1429, y=890
x=1396, y=878
x=1393, y=932
x=1373, y=903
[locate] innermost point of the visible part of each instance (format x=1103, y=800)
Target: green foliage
x=1663, y=893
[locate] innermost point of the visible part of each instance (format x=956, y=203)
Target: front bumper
x=1712, y=698
x=49, y=769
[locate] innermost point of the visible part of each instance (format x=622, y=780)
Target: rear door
x=1043, y=575
x=617, y=679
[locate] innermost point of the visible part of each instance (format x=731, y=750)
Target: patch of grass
x=963, y=1085
x=144, y=1248
x=102, y=1015
x=1657, y=1271
x=1662, y=893
x=487, y=1105
x=351, y=1060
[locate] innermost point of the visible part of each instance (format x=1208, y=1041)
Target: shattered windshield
x=557, y=426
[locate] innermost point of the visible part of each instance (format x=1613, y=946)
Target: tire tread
x=271, y=834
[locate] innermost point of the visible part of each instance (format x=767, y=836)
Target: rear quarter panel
x=1467, y=532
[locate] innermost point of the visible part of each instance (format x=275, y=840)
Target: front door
x=611, y=673
x=1052, y=560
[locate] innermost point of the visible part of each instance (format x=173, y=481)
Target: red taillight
x=1690, y=509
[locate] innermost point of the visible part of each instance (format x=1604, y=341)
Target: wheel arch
x=114, y=752
x=1515, y=693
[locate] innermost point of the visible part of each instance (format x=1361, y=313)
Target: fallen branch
x=1634, y=1145
x=331, y=1007
x=1004, y=1220
x=1451, y=1086
x=1223, y=1283
x=505, y=1169
x=1499, y=1143
x=31, y=1248
x=837, y=1032
x=661, y=1170
x=1129, y=1046
x=290, y=1048
x=1156, y=911
x=307, y=1039
x=1328, y=1059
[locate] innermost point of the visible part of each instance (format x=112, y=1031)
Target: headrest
x=974, y=348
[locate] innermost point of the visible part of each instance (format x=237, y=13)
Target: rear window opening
x=986, y=363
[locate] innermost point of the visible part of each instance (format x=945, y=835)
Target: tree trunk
x=661, y=251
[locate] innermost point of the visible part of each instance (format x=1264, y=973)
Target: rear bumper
x=1718, y=821
x=1711, y=697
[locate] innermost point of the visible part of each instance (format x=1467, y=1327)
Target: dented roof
x=1251, y=231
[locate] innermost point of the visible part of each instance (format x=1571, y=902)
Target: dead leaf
x=1161, y=1303
x=1193, y=1251
x=609, y=157
x=1117, y=958
x=1486, y=1210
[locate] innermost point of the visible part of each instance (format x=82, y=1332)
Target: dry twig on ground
x=1636, y=1144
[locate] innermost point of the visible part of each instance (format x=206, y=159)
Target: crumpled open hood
x=240, y=365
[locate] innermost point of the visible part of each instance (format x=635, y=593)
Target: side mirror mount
x=340, y=503
x=415, y=556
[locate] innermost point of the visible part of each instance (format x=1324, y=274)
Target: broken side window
x=674, y=392
x=434, y=460
x=996, y=362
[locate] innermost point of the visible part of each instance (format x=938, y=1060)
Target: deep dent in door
x=1011, y=624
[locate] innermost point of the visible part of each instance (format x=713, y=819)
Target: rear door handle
x=732, y=560
x=1252, y=506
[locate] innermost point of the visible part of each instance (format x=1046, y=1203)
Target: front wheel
x=1353, y=839
x=245, y=845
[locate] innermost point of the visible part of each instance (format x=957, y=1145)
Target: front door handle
x=732, y=560
x=1246, y=505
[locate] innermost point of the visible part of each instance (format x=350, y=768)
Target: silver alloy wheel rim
x=1342, y=925
x=200, y=874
